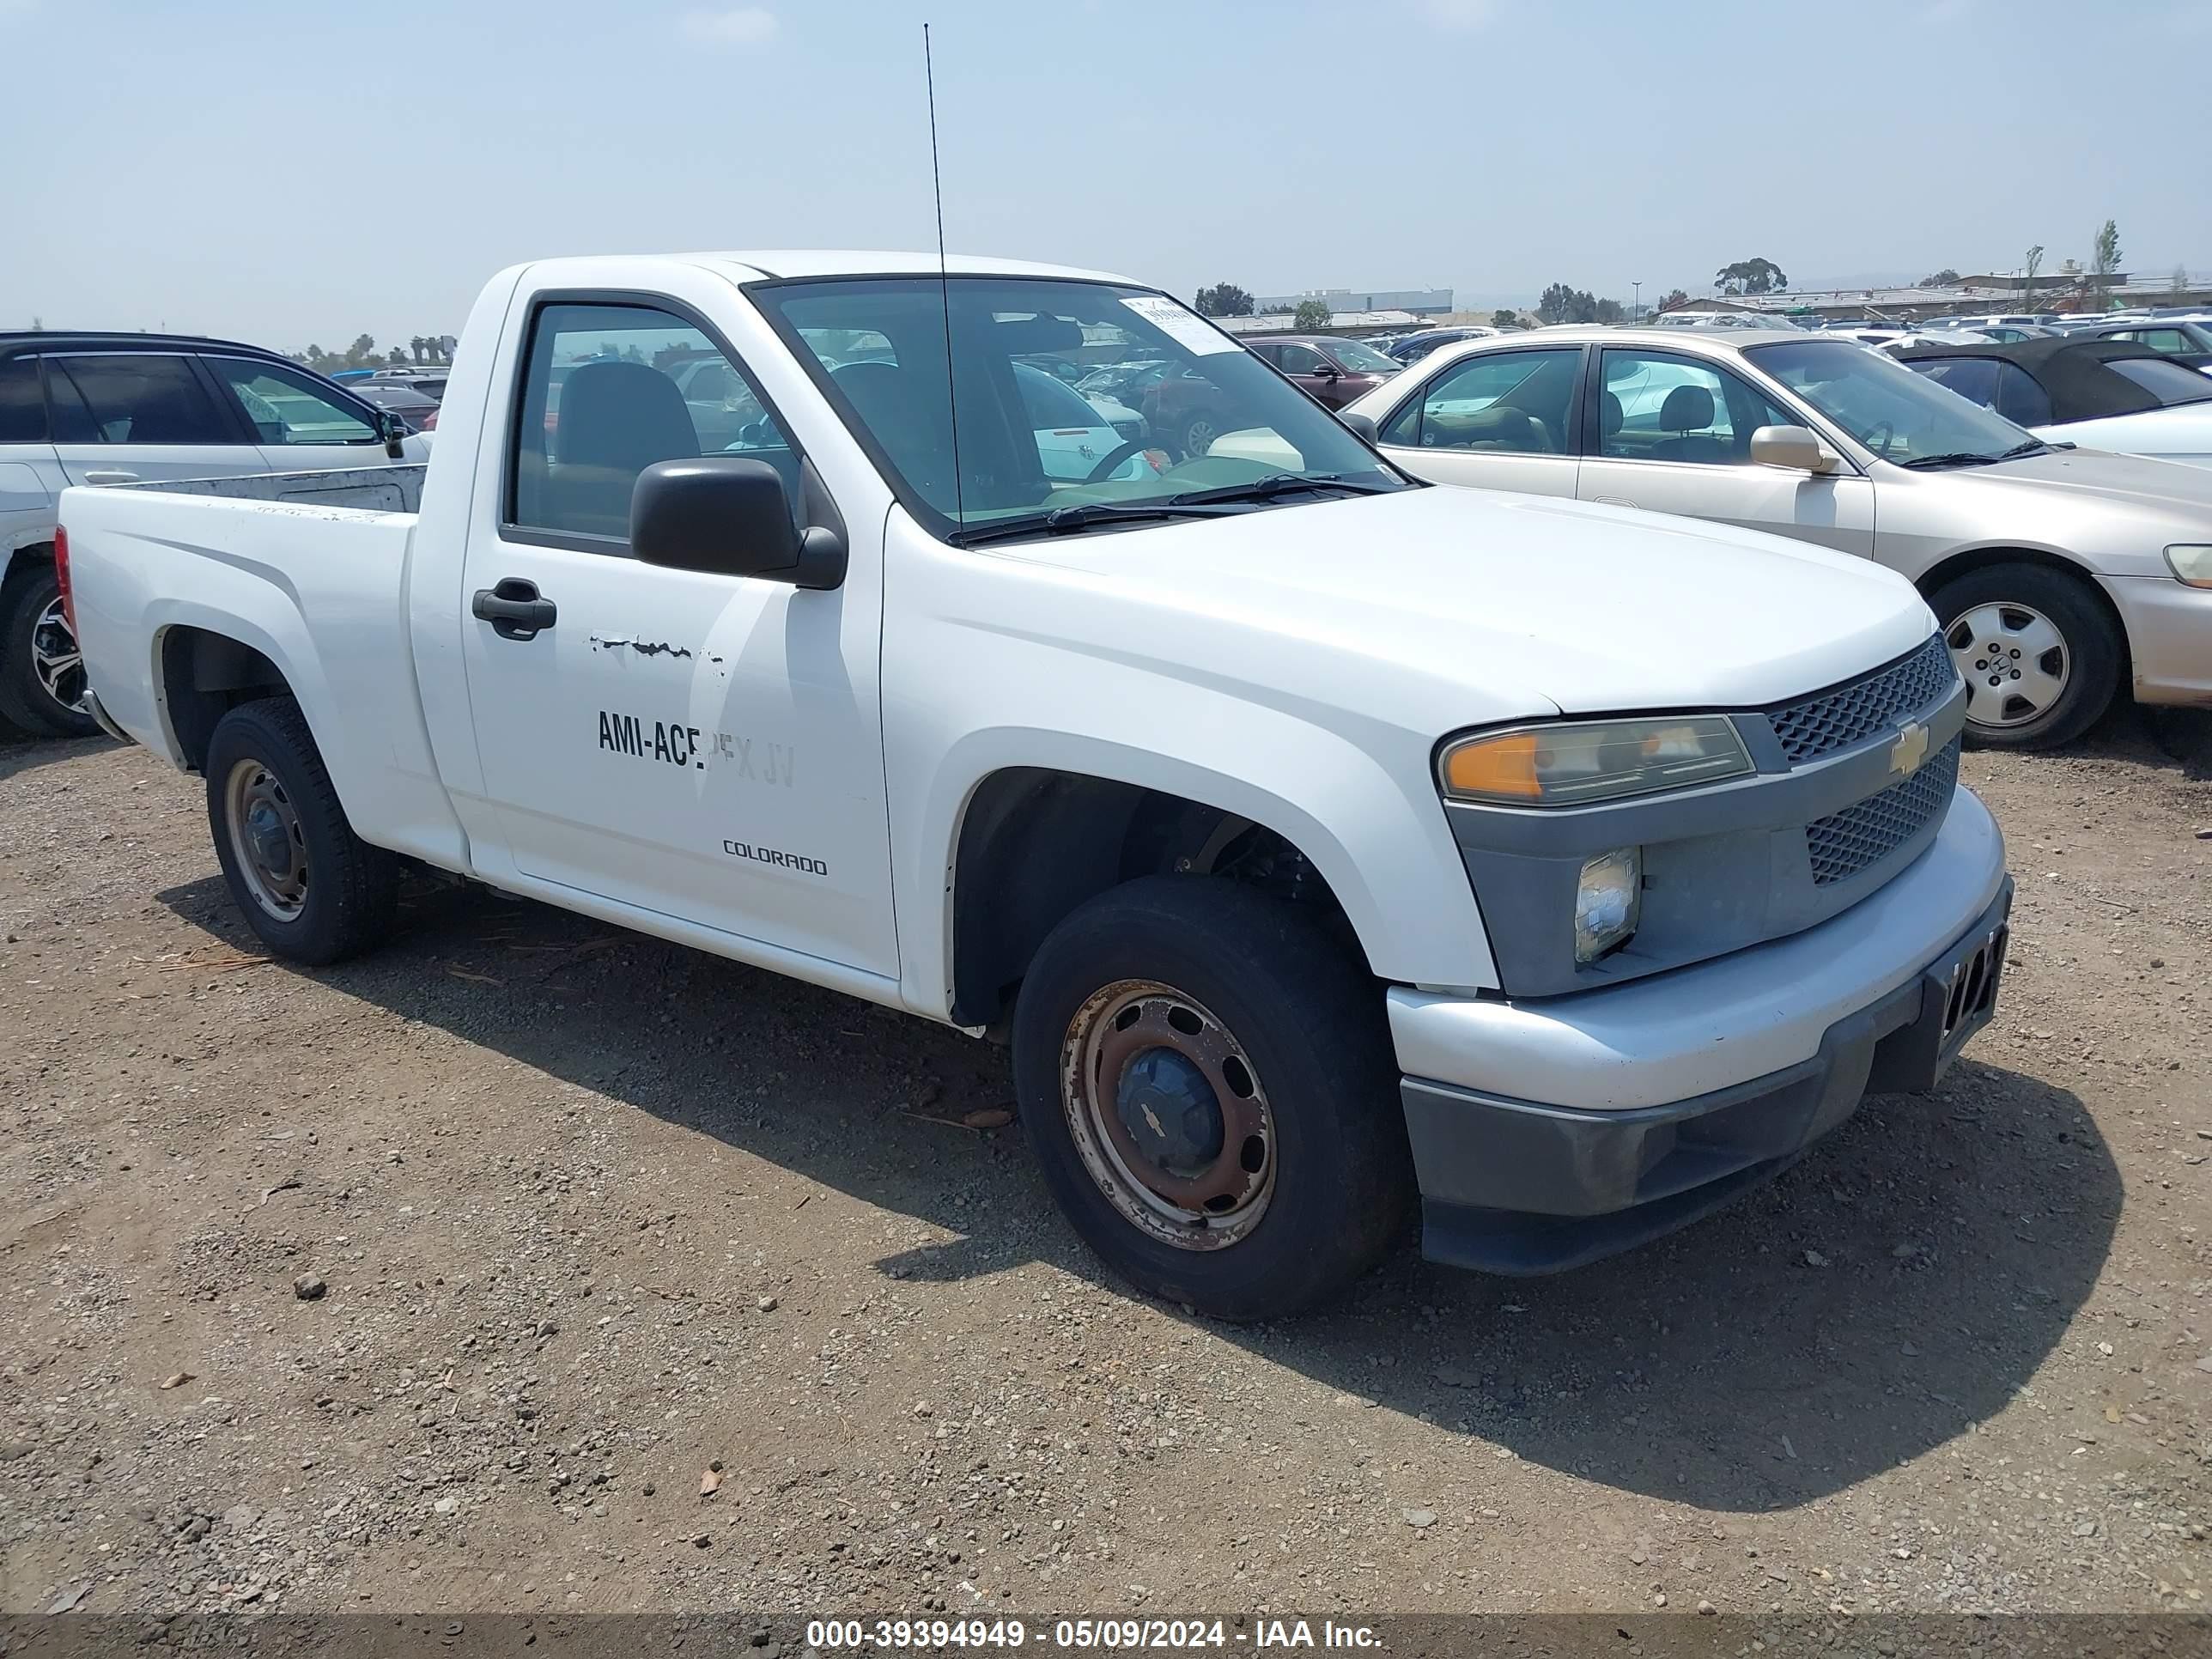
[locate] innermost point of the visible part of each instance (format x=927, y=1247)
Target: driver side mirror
x=1362, y=427
x=394, y=431
x=1795, y=447
x=727, y=515
x=1329, y=371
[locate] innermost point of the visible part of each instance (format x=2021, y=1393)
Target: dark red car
x=1335, y=371
x=1186, y=412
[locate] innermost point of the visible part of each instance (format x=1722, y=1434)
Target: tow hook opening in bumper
x=1518, y=1186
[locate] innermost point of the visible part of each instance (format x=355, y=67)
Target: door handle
x=108, y=476
x=1612, y=501
x=514, y=609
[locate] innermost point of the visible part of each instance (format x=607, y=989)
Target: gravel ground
x=452, y=1278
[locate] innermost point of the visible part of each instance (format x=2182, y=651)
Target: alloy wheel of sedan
x=2014, y=659
x=55, y=657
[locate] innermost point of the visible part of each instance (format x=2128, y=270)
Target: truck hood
x=1479, y=604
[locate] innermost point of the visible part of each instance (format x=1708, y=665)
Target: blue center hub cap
x=271, y=845
x=1170, y=1111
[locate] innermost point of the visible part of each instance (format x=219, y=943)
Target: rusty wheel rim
x=1168, y=1114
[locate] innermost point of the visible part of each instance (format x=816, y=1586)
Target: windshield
x=1899, y=415
x=1025, y=445
x=1362, y=358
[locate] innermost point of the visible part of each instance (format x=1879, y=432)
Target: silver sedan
x=2059, y=575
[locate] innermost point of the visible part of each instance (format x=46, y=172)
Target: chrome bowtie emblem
x=1910, y=749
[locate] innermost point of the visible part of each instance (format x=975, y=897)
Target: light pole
x=1636, y=305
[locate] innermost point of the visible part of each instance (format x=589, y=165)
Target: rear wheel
x=314, y=890
x=42, y=682
x=1205, y=1074
x=2040, y=658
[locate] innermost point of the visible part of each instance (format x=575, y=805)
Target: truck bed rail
x=372, y=488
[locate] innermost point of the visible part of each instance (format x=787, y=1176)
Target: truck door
x=705, y=747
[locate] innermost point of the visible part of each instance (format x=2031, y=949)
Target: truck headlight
x=1573, y=765
x=2193, y=562
x=1609, y=901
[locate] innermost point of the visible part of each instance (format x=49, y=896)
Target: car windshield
x=1899, y=415
x=1362, y=358
x=1001, y=444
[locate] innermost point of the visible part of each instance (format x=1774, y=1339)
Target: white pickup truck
x=1324, y=842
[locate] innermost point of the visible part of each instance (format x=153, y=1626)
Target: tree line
x=364, y=353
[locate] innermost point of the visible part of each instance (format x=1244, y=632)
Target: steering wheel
x=1889, y=431
x=1121, y=452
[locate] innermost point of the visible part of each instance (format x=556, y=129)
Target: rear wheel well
x=1035, y=844
x=1982, y=558
x=204, y=676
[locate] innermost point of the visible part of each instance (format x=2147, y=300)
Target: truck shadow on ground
x=21, y=753
x=1898, y=1286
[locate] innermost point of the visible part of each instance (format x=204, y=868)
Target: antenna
x=943, y=282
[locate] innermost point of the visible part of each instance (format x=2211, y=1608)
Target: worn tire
x=30, y=589
x=2094, y=650
x=352, y=888
x=1311, y=1018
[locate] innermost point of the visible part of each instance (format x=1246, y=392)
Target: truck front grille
x=1868, y=832
x=1819, y=725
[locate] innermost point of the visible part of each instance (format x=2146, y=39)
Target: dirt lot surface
x=446, y=1279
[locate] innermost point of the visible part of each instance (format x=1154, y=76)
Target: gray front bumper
x=1518, y=1186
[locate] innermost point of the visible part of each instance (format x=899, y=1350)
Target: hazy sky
x=289, y=173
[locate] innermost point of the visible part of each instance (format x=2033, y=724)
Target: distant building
x=1421, y=301
x=1339, y=322
x=2062, y=290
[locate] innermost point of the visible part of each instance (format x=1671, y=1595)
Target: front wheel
x=2040, y=658
x=314, y=890
x=1206, y=1076
x=41, y=671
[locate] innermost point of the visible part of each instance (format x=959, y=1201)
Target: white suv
x=108, y=409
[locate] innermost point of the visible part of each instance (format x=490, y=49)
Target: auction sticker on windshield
x=1185, y=328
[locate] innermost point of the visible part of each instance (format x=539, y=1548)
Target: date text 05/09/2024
x=1086, y=1635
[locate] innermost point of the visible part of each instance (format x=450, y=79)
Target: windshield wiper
x=1955, y=458
x=1080, y=516
x=1283, y=483
x=1967, y=457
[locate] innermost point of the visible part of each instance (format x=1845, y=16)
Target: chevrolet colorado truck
x=1327, y=845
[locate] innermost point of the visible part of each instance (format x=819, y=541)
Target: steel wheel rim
x=2014, y=659
x=56, y=660
x=1169, y=1185
x=266, y=840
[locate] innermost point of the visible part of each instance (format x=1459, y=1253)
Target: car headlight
x=2193, y=562
x=1572, y=765
x=1608, y=900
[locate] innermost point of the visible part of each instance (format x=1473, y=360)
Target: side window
x=22, y=408
x=1266, y=351
x=1301, y=360
x=1974, y=379
x=608, y=390
x=2020, y=399
x=2165, y=339
x=140, y=397
x=1504, y=402
x=65, y=407
x=288, y=408
x=1661, y=408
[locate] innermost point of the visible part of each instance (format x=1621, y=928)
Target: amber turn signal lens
x=1504, y=765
